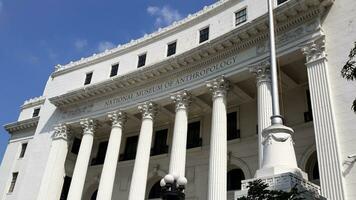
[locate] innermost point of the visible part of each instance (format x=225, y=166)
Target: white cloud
x=80, y=44
x=164, y=15
x=102, y=46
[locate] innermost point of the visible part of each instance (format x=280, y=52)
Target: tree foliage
x=349, y=70
x=257, y=190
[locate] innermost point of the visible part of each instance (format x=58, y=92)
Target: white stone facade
x=202, y=82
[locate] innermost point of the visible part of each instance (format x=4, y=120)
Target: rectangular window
x=130, y=148
x=193, y=137
x=141, y=60
x=308, y=115
x=171, y=50
x=65, y=188
x=160, y=143
x=204, y=35
x=88, y=77
x=76, y=145
x=23, y=150
x=281, y=1
x=114, y=70
x=36, y=112
x=240, y=16
x=100, y=156
x=232, y=130
x=13, y=181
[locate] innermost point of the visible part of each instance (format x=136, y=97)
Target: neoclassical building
x=192, y=100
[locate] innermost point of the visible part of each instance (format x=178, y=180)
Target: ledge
x=33, y=102
x=21, y=125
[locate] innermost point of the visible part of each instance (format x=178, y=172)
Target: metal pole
x=276, y=117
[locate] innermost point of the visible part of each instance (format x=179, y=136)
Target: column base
x=284, y=182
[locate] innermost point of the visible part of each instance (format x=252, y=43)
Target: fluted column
x=218, y=142
x=81, y=165
x=52, y=182
x=264, y=101
x=179, y=144
x=107, y=178
x=139, y=175
x=324, y=121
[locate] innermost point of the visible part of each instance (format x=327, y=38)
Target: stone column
x=139, y=175
x=81, y=165
x=324, y=121
x=264, y=101
x=218, y=141
x=52, y=182
x=179, y=144
x=112, y=155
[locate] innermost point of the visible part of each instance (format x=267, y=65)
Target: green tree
x=349, y=70
x=257, y=190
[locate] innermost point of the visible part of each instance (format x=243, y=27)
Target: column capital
x=148, y=110
x=315, y=50
x=118, y=118
x=61, y=131
x=262, y=71
x=88, y=125
x=218, y=86
x=182, y=99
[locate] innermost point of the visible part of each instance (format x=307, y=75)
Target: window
x=141, y=60
x=193, y=137
x=130, y=148
x=88, y=77
x=100, y=156
x=36, y=112
x=93, y=196
x=308, y=115
x=13, y=181
x=114, y=70
x=23, y=150
x=234, y=178
x=155, y=192
x=160, y=143
x=65, y=188
x=240, y=16
x=232, y=131
x=312, y=169
x=171, y=48
x=204, y=35
x=281, y=1
x=76, y=145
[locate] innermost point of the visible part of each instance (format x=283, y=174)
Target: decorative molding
x=262, y=71
x=88, y=126
x=33, y=102
x=61, y=131
x=118, y=118
x=218, y=87
x=315, y=50
x=22, y=125
x=148, y=110
x=182, y=99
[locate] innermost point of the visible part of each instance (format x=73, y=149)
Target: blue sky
x=36, y=35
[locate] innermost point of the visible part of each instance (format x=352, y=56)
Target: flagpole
x=276, y=117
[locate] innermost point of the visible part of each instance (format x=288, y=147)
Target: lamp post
x=173, y=187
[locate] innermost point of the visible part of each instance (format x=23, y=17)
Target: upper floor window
x=13, y=181
x=23, y=150
x=193, y=136
x=130, y=148
x=76, y=145
x=232, y=129
x=240, y=16
x=88, y=77
x=308, y=115
x=141, y=60
x=100, y=156
x=281, y=1
x=36, y=112
x=204, y=35
x=171, y=48
x=160, y=143
x=114, y=70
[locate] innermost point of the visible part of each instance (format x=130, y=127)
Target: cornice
x=33, y=102
x=289, y=15
x=21, y=125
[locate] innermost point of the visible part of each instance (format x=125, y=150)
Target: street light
x=173, y=187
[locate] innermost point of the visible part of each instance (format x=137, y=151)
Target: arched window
x=234, y=178
x=155, y=192
x=312, y=168
x=93, y=196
